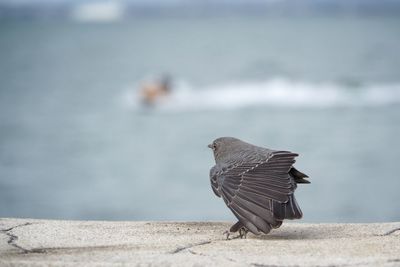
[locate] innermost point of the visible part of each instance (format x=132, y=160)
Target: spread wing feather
x=289, y=210
x=260, y=194
x=265, y=192
x=250, y=216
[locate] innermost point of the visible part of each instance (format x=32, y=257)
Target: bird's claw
x=227, y=233
x=243, y=232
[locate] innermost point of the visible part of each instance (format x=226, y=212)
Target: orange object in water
x=152, y=92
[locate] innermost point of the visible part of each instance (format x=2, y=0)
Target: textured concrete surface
x=28, y=242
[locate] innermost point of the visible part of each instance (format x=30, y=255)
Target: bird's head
x=224, y=147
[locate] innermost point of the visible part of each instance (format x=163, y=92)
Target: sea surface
x=77, y=143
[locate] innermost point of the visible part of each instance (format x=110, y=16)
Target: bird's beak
x=210, y=146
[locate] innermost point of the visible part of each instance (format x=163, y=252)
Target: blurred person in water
x=153, y=91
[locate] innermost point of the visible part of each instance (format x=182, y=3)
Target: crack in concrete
x=211, y=256
x=373, y=263
x=391, y=231
x=12, y=239
x=271, y=265
x=179, y=249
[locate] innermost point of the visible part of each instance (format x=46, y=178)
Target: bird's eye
x=214, y=146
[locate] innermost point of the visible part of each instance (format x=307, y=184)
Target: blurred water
x=75, y=143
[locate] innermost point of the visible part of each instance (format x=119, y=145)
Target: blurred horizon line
x=132, y=9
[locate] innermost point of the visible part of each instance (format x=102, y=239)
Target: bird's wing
x=256, y=192
x=214, y=173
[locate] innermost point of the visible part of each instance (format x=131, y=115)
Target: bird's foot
x=227, y=233
x=243, y=232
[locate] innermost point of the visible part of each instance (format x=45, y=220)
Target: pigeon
x=257, y=184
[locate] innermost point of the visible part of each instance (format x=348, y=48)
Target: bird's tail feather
x=299, y=177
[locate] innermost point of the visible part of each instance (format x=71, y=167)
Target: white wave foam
x=272, y=93
x=97, y=12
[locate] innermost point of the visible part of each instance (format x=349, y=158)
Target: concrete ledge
x=28, y=242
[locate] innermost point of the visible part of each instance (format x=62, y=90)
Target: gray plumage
x=257, y=184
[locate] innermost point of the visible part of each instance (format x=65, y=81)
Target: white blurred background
x=320, y=78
